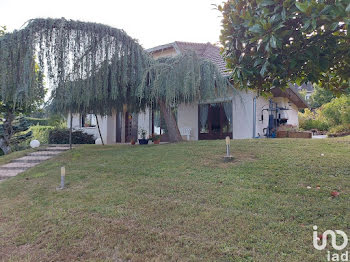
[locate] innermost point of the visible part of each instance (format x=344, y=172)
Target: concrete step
x=31, y=159
x=56, y=148
x=10, y=173
x=19, y=165
x=16, y=166
x=45, y=153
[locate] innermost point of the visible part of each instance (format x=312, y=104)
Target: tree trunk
x=4, y=146
x=70, y=130
x=99, y=130
x=8, y=133
x=170, y=121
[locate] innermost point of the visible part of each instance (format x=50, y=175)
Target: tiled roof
x=206, y=51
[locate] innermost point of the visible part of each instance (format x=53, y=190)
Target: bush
x=337, y=112
x=309, y=124
x=37, y=121
x=57, y=121
x=312, y=120
x=61, y=136
x=340, y=129
x=41, y=133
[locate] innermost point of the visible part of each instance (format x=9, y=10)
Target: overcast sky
x=152, y=22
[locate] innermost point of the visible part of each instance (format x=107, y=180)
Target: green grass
x=179, y=202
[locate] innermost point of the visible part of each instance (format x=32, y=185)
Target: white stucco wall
x=187, y=117
x=292, y=113
x=242, y=115
x=261, y=123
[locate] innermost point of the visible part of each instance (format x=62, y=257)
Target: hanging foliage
x=184, y=78
x=91, y=67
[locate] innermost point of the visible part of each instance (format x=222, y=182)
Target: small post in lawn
x=63, y=175
x=70, y=130
x=228, y=156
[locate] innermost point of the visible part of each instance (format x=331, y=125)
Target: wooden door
x=128, y=127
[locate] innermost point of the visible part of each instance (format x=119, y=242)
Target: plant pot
x=143, y=141
x=156, y=142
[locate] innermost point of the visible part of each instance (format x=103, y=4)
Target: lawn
x=179, y=202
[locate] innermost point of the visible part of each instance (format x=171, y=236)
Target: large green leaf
x=273, y=41
x=302, y=6
x=347, y=8
x=264, y=68
x=257, y=28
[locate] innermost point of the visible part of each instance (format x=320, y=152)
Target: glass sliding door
x=215, y=120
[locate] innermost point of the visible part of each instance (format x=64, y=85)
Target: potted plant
x=155, y=139
x=143, y=140
x=133, y=142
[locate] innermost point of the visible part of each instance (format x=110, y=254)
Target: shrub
x=37, y=121
x=337, y=112
x=57, y=121
x=312, y=120
x=309, y=124
x=41, y=133
x=345, y=128
x=61, y=136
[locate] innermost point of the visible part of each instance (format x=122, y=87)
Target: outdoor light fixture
x=34, y=144
x=228, y=156
x=63, y=175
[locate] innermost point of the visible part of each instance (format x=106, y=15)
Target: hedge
x=41, y=133
x=61, y=136
x=37, y=121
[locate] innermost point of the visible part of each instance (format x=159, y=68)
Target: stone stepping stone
x=31, y=159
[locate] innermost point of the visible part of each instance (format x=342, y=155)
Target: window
x=88, y=120
x=215, y=120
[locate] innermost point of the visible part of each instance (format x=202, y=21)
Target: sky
x=151, y=22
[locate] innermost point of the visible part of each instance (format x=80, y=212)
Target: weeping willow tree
x=91, y=68
x=182, y=79
x=17, y=99
x=94, y=68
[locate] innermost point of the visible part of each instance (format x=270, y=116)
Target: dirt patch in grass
x=219, y=161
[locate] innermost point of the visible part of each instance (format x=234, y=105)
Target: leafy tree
x=337, y=112
x=2, y=30
x=320, y=97
x=270, y=43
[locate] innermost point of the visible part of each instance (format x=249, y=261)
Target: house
x=240, y=115
x=306, y=89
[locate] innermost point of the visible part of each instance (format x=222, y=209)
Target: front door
x=128, y=127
